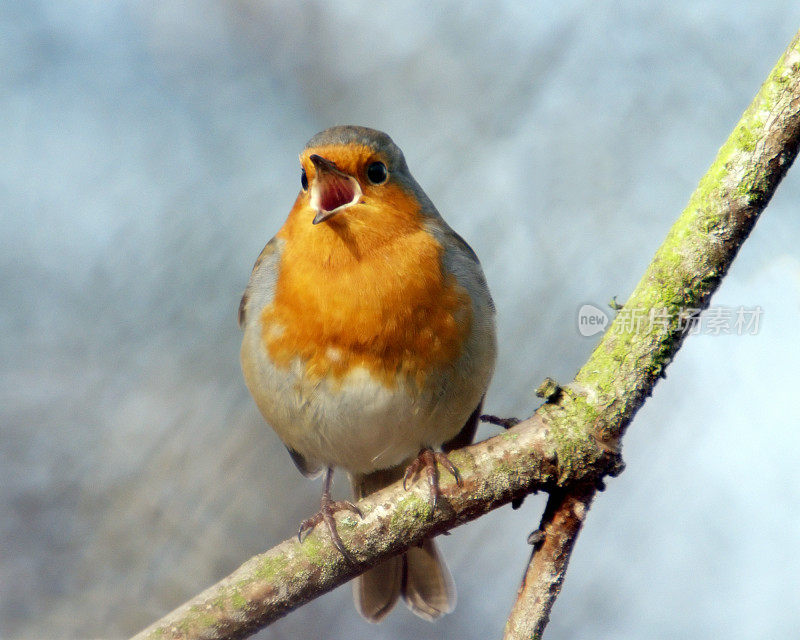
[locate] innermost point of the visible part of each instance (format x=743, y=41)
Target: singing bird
x=369, y=343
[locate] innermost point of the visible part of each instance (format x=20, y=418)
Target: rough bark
x=552, y=545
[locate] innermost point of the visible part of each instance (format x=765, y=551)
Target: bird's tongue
x=335, y=191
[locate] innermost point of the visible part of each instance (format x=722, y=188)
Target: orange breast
x=365, y=289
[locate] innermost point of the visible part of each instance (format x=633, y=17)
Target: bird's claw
x=429, y=460
x=327, y=508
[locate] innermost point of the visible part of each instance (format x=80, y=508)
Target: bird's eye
x=377, y=173
x=304, y=180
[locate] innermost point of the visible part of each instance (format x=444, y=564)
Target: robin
x=369, y=343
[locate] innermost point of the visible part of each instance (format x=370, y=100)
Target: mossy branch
x=697, y=251
x=572, y=441
x=685, y=272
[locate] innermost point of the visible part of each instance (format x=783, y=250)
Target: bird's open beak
x=332, y=190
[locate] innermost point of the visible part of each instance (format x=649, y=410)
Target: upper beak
x=331, y=189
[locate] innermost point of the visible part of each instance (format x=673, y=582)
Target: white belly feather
x=358, y=423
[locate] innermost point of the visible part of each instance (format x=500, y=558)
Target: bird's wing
x=262, y=280
x=460, y=260
x=259, y=293
x=306, y=468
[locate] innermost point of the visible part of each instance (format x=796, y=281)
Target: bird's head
x=358, y=173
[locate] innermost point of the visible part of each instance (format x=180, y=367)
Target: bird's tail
x=420, y=575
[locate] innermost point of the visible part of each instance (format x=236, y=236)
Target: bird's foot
x=327, y=508
x=429, y=460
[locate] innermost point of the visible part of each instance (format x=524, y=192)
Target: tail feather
x=419, y=575
x=428, y=588
x=377, y=591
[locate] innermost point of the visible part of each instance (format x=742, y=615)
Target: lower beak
x=332, y=190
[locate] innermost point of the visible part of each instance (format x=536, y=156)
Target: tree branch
x=683, y=275
x=552, y=545
x=573, y=439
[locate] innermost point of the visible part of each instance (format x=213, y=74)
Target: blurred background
x=149, y=151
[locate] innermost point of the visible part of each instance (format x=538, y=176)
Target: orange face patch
x=351, y=159
x=364, y=289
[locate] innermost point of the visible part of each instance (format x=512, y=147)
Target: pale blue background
x=148, y=150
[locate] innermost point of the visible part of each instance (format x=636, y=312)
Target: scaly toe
x=429, y=460
x=325, y=514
